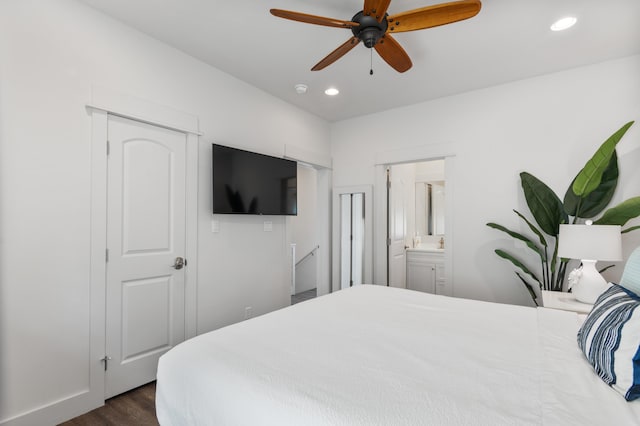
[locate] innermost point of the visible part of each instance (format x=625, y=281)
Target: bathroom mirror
x=430, y=208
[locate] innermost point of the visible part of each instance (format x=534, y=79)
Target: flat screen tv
x=248, y=183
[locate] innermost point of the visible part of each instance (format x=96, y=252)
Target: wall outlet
x=248, y=312
x=215, y=225
x=268, y=226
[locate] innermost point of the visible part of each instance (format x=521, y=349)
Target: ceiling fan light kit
x=369, y=31
x=373, y=26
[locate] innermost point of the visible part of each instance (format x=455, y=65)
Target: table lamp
x=590, y=243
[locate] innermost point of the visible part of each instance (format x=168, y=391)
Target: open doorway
x=416, y=211
x=305, y=235
x=309, y=234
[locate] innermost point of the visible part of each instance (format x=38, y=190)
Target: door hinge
x=106, y=360
x=389, y=241
x=108, y=147
x=106, y=255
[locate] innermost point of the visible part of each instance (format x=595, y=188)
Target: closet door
x=351, y=239
x=145, y=301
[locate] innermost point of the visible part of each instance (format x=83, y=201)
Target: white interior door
x=397, y=227
x=145, y=240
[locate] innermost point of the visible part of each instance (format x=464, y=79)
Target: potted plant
x=587, y=197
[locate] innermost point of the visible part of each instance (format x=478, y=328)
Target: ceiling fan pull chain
x=371, y=62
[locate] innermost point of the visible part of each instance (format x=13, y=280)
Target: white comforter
x=374, y=355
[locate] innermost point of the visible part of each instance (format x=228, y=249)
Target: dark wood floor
x=136, y=408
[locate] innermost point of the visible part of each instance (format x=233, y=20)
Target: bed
x=374, y=355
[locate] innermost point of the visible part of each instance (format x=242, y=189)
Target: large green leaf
x=594, y=203
x=620, y=214
x=605, y=268
x=546, y=207
x=554, y=258
x=520, y=237
x=535, y=230
x=591, y=174
x=556, y=284
x=503, y=254
x=529, y=287
x=633, y=228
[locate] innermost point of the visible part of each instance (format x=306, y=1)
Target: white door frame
x=105, y=102
x=413, y=155
x=323, y=165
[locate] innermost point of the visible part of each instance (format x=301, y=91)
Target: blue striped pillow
x=610, y=339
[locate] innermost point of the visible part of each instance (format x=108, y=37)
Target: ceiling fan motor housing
x=370, y=30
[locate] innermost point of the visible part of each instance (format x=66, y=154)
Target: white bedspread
x=374, y=355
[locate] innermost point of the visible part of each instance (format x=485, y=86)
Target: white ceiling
x=508, y=40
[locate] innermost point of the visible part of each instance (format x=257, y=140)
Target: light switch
x=215, y=225
x=268, y=226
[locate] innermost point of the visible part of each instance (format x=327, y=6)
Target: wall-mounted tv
x=248, y=183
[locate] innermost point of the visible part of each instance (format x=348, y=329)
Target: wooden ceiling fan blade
x=376, y=8
x=433, y=16
x=393, y=54
x=336, y=54
x=313, y=19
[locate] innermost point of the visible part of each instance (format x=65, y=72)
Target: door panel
x=421, y=277
x=401, y=179
x=146, y=220
x=397, y=217
x=145, y=235
x=146, y=310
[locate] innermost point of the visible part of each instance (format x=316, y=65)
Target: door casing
x=105, y=102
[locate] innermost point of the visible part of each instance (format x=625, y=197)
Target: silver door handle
x=180, y=263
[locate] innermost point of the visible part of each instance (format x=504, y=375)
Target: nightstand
x=565, y=302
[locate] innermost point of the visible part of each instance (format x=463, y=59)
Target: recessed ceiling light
x=331, y=91
x=564, y=23
x=301, y=89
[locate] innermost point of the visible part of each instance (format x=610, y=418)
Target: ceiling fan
x=373, y=26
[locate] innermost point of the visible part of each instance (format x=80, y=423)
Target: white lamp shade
x=592, y=242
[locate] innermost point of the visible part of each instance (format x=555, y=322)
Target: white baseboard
x=56, y=412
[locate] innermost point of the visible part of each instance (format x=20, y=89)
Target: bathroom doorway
x=416, y=212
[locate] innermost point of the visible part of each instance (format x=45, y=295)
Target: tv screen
x=248, y=183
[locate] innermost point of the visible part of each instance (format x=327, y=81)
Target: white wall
x=51, y=55
x=548, y=126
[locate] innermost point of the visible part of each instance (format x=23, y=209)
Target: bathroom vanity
x=425, y=269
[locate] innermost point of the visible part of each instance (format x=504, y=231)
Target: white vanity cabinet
x=425, y=271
